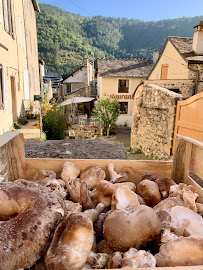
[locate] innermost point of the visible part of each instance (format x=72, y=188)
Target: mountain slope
x=64, y=39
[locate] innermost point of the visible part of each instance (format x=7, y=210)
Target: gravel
x=75, y=149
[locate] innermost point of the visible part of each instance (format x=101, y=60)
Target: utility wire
x=175, y=60
x=81, y=8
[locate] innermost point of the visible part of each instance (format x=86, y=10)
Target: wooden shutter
x=164, y=72
x=12, y=21
x=21, y=33
x=26, y=84
x=6, y=24
x=0, y=11
x=4, y=85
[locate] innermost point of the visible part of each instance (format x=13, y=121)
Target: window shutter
x=0, y=11
x=6, y=25
x=12, y=19
x=26, y=84
x=21, y=33
x=164, y=72
x=4, y=85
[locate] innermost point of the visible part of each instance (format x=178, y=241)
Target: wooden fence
x=189, y=118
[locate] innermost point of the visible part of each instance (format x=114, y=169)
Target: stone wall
x=185, y=87
x=85, y=132
x=153, y=120
x=192, y=75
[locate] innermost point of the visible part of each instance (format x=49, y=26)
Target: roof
x=195, y=59
x=79, y=68
x=130, y=68
x=183, y=45
x=200, y=24
x=36, y=5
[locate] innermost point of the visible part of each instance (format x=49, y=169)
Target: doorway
x=14, y=99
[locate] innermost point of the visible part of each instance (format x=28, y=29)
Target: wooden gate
x=189, y=118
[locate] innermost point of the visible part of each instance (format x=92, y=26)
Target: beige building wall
x=177, y=67
x=109, y=87
x=32, y=49
x=13, y=65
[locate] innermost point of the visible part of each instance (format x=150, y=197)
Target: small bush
x=138, y=151
x=54, y=124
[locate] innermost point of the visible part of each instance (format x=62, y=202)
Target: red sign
x=120, y=96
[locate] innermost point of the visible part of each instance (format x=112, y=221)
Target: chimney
x=197, y=45
x=155, y=56
x=86, y=61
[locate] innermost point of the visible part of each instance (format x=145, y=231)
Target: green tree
x=55, y=124
x=106, y=111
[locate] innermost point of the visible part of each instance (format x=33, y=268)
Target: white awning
x=75, y=100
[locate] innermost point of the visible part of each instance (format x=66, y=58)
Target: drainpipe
x=196, y=79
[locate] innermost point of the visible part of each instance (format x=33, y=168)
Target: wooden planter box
x=188, y=158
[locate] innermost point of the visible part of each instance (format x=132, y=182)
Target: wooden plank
x=134, y=168
x=181, y=160
x=197, y=267
x=196, y=165
x=190, y=126
x=191, y=140
x=189, y=118
x=199, y=189
x=12, y=156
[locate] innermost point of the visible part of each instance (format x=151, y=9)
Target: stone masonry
x=153, y=120
x=185, y=87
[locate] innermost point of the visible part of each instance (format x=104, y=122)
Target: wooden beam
x=135, y=169
x=181, y=160
x=12, y=156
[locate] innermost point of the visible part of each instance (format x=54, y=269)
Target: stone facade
x=85, y=132
x=153, y=120
x=193, y=75
x=183, y=87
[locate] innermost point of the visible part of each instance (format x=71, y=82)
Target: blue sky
x=146, y=10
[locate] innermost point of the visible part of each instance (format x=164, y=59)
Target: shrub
x=55, y=124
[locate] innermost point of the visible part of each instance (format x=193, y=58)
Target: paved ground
x=31, y=133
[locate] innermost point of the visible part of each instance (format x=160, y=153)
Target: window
x=164, y=72
x=123, y=107
x=175, y=90
x=26, y=84
x=123, y=86
x=68, y=88
x=9, y=17
x=33, y=79
x=3, y=101
x=1, y=90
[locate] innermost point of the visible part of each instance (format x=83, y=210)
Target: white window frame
x=9, y=24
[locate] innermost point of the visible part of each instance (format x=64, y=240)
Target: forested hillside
x=64, y=39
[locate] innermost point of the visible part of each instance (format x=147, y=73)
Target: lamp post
x=92, y=67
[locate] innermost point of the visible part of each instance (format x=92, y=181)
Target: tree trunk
x=107, y=132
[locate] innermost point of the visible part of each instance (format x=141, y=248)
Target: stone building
x=180, y=65
x=80, y=82
x=118, y=79
x=19, y=70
